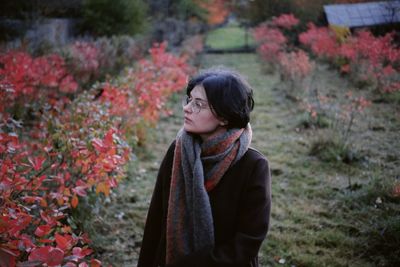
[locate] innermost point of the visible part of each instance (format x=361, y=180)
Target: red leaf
x=81, y=253
x=108, y=138
x=40, y=254
x=98, y=145
x=20, y=223
x=47, y=218
x=55, y=257
x=80, y=190
x=7, y=258
x=49, y=255
x=36, y=162
x=64, y=242
x=38, y=182
x=43, y=230
x=85, y=238
x=26, y=243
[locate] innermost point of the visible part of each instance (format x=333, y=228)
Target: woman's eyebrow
x=197, y=98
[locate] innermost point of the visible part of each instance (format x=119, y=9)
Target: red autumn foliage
x=139, y=97
x=375, y=58
x=321, y=41
x=218, y=10
x=83, y=61
x=295, y=66
x=285, y=21
x=274, y=48
x=38, y=183
x=370, y=59
x=25, y=81
x=155, y=79
x=69, y=151
x=271, y=42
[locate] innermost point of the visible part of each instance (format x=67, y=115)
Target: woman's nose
x=187, y=108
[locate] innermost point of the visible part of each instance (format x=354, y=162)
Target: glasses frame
x=195, y=108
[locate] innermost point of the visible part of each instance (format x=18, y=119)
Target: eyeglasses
x=195, y=104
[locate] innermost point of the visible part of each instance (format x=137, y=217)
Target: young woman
x=212, y=199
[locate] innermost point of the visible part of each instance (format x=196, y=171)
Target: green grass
x=317, y=219
x=229, y=37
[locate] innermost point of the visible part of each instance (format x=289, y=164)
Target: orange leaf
x=67, y=192
x=43, y=203
x=74, y=201
x=95, y=263
x=91, y=181
x=66, y=229
x=104, y=188
x=60, y=200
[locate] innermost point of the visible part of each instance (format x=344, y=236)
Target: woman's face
x=203, y=123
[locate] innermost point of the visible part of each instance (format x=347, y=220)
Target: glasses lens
x=195, y=107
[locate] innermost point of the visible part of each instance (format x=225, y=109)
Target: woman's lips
x=187, y=120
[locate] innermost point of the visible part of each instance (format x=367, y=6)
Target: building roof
x=363, y=14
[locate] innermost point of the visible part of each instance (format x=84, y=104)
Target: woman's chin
x=187, y=127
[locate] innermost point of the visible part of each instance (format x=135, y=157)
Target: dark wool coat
x=240, y=203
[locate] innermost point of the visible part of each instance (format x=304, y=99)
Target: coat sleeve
x=155, y=222
x=252, y=226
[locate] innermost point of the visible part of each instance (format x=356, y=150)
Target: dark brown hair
x=228, y=93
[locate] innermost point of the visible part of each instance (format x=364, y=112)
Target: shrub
x=68, y=153
x=155, y=79
x=321, y=41
x=191, y=47
x=329, y=148
x=89, y=61
x=277, y=49
x=369, y=60
x=260, y=10
x=271, y=41
x=28, y=83
x=294, y=67
x=83, y=61
x=341, y=118
x=137, y=98
x=375, y=60
x=40, y=185
x=113, y=17
x=285, y=21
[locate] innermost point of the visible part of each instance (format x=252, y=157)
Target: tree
x=112, y=17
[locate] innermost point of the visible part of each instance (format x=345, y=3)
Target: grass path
x=307, y=227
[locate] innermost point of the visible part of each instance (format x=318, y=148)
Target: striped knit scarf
x=197, y=169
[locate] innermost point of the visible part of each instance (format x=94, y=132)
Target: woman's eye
x=199, y=104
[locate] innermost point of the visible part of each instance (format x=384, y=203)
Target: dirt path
x=306, y=228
